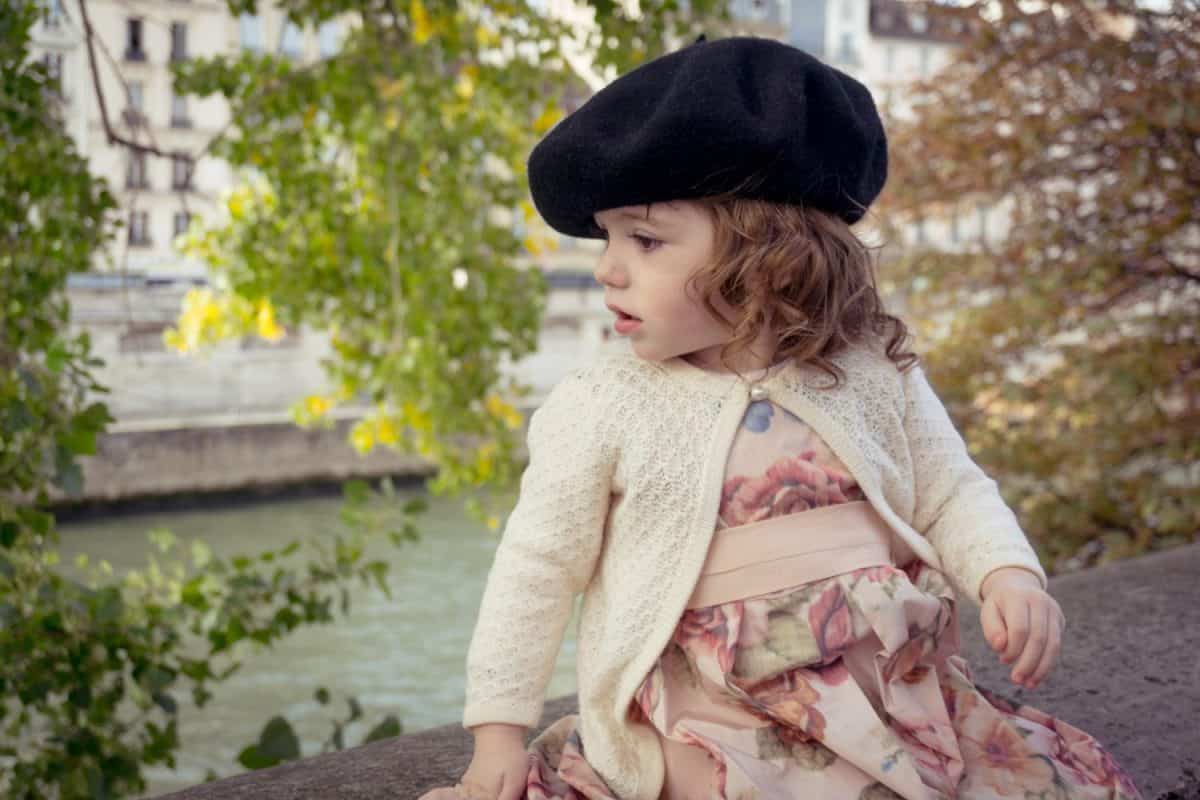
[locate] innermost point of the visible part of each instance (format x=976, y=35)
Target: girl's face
x=644, y=269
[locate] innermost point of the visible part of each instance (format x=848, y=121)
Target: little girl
x=768, y=512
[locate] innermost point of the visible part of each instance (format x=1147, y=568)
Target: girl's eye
x=646, y=242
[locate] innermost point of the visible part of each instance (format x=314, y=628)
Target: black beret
x=704, y=120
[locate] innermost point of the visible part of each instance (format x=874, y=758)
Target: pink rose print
x=831, y=622
x=789, y=486
x=876, y=574
x=713, y=629
x=832, y=674
x=789, y=698
x=1081, y=754
x=1006, y=763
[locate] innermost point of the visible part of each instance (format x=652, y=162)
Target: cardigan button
x=758, y=392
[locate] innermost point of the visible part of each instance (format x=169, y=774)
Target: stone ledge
x=1128, y=674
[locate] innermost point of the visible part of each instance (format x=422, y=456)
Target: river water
x=404, y=656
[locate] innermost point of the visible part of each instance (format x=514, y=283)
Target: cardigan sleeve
x=546, y=555
x=957, y=506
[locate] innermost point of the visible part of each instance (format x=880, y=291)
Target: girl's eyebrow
x=639, y=216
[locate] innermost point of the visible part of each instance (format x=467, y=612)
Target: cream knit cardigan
x=619, y=501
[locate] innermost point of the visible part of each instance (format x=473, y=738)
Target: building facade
x=134, y=293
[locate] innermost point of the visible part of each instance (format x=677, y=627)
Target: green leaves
x=277, y=743
x=387, y=177
x=389, y=727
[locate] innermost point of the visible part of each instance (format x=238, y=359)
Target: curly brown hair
x=802, y=273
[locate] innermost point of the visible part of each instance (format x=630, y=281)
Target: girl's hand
x=495, y=773
x=1020, y=619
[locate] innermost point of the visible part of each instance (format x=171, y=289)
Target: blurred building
x=136, y=44
x=134, y=292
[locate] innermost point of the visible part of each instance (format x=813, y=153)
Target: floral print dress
x=845, y=687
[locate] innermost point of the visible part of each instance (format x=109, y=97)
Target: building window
x=847, y=10
x=919, y=230
x=889, y=58
x=182, y=220
x=925, y=53
x=291, y=42
x=181, y=171
x=179, y=112
x=250, y=31
x=135, y=175
x=954, y=232
x=139, y=228
x=981, y=209
x=52, y=13
x=133, y=40
x=328, y=38
x=178, y=41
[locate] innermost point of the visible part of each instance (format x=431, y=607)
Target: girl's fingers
x=1016, y=624
x=992, y=624
x=1035, y=643
x=1053, y=646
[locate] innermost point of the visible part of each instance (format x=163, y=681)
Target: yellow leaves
x=264, y=321
x=242, y=200
x=204, y=320
x=415, y=418
x=485, y=462
x=493, y=523
x=362, y=436
x=503, y=411
x=317, y=405
x=528, y=209
x=548, y=119
x=385, y=431
x=207, y=319
x=383, y=427
x=536, y=245
x=422, y=28
x=468, y=78
x=485, y=36
x=238, y=202
x=377, y=428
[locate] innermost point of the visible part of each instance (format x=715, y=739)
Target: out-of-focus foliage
x=1069, y=349
x=369, y=214
x=380, y=186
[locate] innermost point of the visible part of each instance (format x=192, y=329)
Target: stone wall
x=227, y=455
x=1128, y=675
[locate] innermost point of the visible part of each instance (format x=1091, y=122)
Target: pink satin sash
x=763, y=557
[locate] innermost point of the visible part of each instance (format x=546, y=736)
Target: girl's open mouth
x=626, y=323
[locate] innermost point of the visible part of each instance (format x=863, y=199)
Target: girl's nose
x=607, y=272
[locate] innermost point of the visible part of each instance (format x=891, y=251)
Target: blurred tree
x=1068, y=352
x=375, y=177
x=380, y=186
